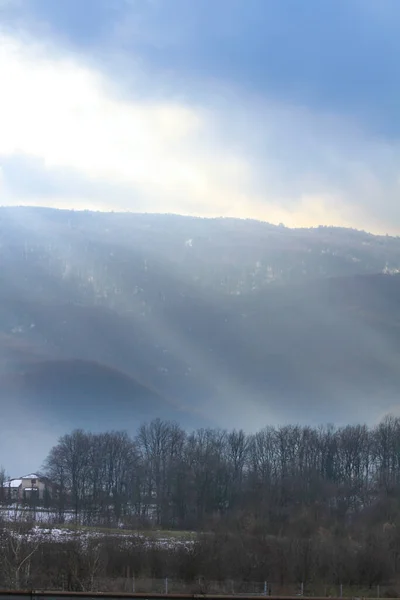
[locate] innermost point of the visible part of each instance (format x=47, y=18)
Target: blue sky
x=273, y=109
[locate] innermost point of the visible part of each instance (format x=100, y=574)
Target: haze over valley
x=108, y=319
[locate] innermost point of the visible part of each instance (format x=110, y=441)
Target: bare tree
x=18, y=547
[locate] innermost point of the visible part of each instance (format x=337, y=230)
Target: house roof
x=12, y=483
x=17, y=482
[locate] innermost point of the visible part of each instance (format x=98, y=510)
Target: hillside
x=207, y=321
x=69, y=389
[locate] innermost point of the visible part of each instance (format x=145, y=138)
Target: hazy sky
x=274, y=109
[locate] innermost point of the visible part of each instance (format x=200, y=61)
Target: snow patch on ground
x=44, y=526
x=40, y=515
x=59, y=535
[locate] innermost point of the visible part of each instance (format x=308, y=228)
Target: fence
x=240, y=588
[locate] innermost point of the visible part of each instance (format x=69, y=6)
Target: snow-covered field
x=46, y=528
x=45, y=516
x=57, y=534
x=39, y=515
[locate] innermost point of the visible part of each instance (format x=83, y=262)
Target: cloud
x=333, y=56
x=63, y=116
x=74, y=136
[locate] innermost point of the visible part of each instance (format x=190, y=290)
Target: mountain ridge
x=226, y=321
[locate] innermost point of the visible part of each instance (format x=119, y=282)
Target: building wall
x=27, y=484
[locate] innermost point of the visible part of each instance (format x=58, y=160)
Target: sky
x=278, y=110
x=286, y=111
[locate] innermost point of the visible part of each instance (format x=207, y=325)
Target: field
x=137, y=561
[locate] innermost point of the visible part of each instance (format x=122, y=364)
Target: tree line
x=316, y=505
x=278, y=479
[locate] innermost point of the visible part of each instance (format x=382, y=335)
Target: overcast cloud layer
x=282, y=111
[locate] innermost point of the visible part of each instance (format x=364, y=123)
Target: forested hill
x=207, y=321
x=227, y=255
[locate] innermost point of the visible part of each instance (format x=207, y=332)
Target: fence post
x=166, y=586
x=133, y=584
x=341, y=590
x=302, y=589
x=265, y=588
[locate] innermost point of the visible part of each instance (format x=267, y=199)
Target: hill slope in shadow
x=206, y=321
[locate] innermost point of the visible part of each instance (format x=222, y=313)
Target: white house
x=27, y=488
